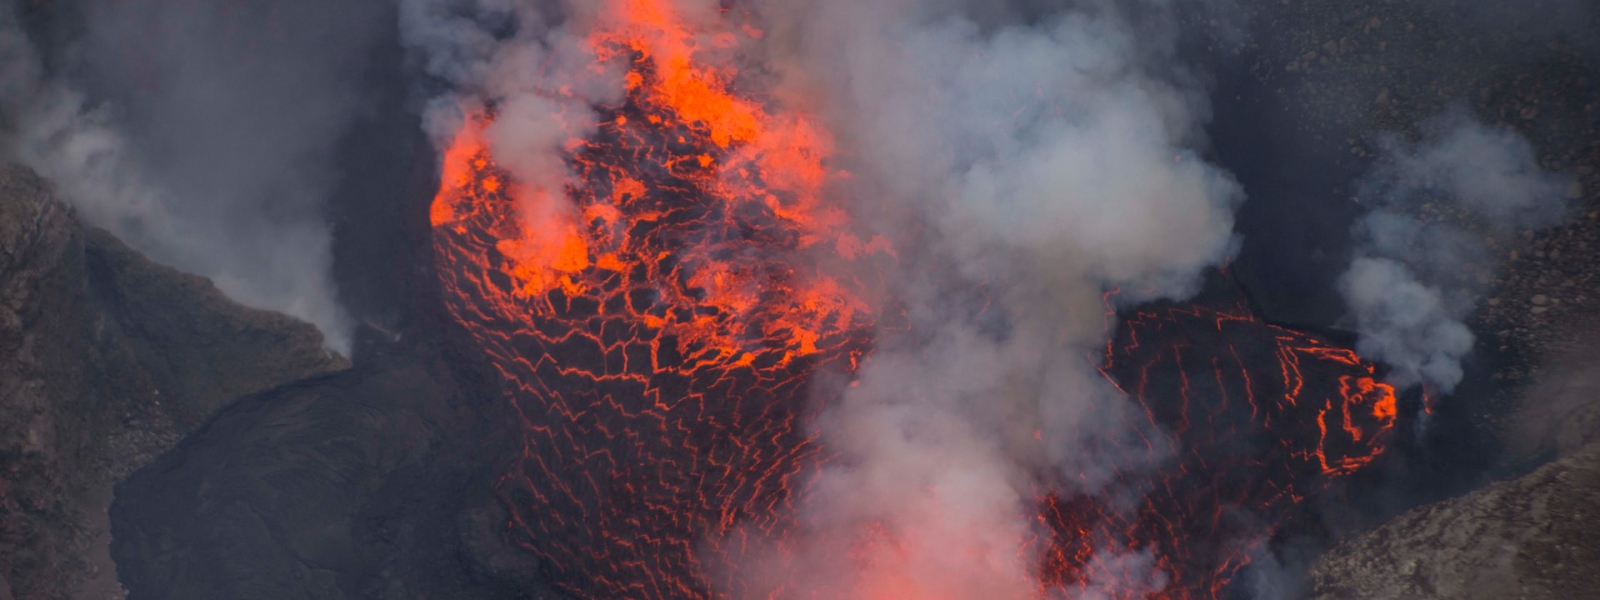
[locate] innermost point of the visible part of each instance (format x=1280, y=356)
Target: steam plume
x=202, y=134
x=1411, y=283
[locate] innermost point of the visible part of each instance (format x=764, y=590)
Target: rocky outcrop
x=106, y=359
x=1535, y=537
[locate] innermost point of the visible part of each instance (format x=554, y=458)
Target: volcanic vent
x=657, y=315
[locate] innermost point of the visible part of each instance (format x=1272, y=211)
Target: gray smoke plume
x=203, y=134
x=1045, y=159
x=1411, y=282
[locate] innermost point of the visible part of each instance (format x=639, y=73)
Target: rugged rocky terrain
x=1535, y=537
x=106, y=359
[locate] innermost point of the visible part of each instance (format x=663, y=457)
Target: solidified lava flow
x=655, y=328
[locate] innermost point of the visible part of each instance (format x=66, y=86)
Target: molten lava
x=656, y=326
x=655, y=319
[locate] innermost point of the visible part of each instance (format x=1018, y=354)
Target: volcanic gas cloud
x=869, y=300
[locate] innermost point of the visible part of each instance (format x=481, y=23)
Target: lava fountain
x=656, y=316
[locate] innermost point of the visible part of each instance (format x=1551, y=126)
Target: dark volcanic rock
x=200, y=349
x=1536, y=537
x=372, y=483
x=105, y=360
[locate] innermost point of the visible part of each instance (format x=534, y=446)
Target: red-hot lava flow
x=655, y=329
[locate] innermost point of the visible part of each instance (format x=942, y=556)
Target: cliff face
x=106, y=359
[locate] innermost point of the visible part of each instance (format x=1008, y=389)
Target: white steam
x=1409, y=286
x=1405, y=323
x=210, y=140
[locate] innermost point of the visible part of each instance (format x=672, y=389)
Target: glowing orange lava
x=1247, y=447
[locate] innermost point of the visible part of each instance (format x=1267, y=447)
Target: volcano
x=622, y=385
x=765, y=300
x=657, y=336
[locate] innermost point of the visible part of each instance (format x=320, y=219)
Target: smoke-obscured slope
x=1412, y=282
x=203, y=134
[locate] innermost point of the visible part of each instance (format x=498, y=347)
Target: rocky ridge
x=106, y=360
